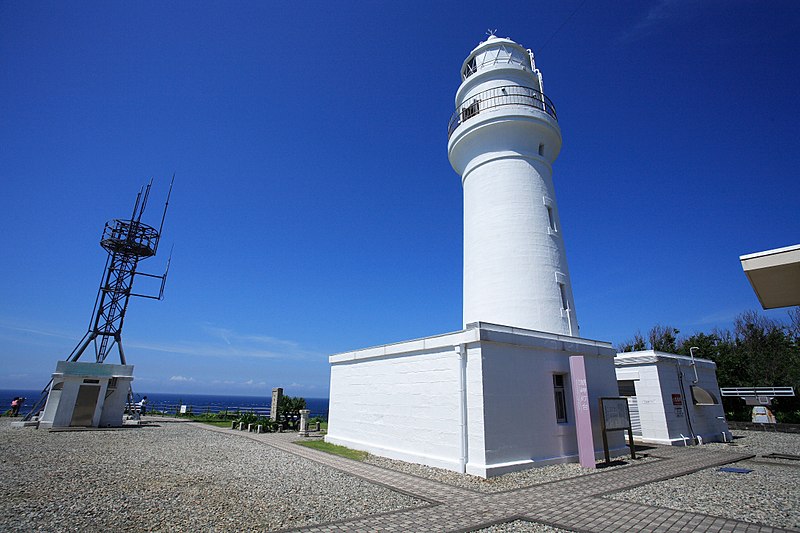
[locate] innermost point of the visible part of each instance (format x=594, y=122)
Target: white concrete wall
x=513, y=263
x=114, y=404
x=650, y=398
x=709, y=421
x=67, y=381
x=50, y=408
x=704, y=419
x=519, y=402
x=400, y=406
x=520, y=419
x=662, y=421
x=476, y=416
x=59, y=407
x=514, y=260
x=405, y=401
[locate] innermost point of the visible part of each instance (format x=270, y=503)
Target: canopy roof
x=775, y=276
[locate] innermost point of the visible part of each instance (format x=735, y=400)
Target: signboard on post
x=615, y=416
x=583, y=417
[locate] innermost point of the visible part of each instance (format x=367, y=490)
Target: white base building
x=671, y=399
x=87, y=395
x=485, y=400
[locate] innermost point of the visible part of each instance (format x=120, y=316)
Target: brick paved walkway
x=574, y=504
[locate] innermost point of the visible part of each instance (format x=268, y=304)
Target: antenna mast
x=127, y=242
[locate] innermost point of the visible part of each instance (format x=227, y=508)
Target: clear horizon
x=138, y=393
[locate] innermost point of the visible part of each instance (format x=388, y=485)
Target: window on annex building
x=627, y=387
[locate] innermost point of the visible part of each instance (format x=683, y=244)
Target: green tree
x=770, y=357
x=707, y=344
x=633, y=345
x=291, y=404
x=759, y=352
x=663, y=338
x=289, y=410
x=794, y=325
x=718, y=346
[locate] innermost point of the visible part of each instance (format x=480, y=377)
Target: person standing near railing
x=16, y=403
x=143, y=406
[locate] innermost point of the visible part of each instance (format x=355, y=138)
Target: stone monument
x=274, y=412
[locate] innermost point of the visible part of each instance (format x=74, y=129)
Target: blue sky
x=314, y=208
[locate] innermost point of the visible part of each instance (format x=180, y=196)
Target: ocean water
x=6, y=396
x=170, y=402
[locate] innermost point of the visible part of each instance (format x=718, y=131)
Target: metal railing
x=227, y=411
x=508, y=95
x=756, y=391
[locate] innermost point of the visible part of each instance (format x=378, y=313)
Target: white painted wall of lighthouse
x=514, y=260
x=510, y=256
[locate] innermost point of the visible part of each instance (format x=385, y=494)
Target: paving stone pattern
x=575, y=504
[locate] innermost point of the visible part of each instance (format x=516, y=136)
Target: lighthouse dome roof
x=496, y=51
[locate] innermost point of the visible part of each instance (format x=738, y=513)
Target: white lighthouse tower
x=504, y=138
x=456, y=400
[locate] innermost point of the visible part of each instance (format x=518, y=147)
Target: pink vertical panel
x=583, y=416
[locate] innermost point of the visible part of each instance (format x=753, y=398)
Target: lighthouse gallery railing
x=499, y=97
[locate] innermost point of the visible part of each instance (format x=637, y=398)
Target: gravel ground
x=521, y=526
x=514, y=480
x=761, y=443
x=770, y=494
x=170, y=476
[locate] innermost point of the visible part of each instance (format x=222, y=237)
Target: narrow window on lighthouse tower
x=564, y=302
x=541, y=149
x=551, y=219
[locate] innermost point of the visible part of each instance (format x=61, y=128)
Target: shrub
x=248, y=418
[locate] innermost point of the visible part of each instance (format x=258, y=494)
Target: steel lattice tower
x=127, y=242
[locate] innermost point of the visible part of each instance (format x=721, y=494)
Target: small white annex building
x=516, y=387
x=87, y=395
x=672, y=399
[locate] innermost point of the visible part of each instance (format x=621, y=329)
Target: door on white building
x=85, y=405
x=627, y=388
